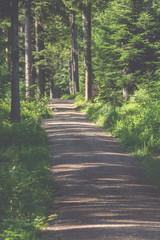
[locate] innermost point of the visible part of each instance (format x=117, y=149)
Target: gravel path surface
x=104, y=193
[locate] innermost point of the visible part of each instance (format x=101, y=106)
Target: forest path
x=104, y=193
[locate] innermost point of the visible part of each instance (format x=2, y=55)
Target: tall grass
x=27, y=187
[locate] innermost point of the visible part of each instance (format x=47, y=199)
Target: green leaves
x=26, y=184
x=126, y=47
x=134, y=123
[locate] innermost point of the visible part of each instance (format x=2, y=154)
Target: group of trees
x=103, y=48
x=23, y=48
x=128, y=48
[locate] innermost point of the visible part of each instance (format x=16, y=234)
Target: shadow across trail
x=104, y=193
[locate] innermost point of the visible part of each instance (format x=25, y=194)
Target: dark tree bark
x=15, y=98
x=75, y=75
x=86, y=17
x=39, y=47
x=5, y=8
x=28, y=51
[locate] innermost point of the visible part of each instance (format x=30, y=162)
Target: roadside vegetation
x=135, y=124
x=27, y=187
x=104, y=53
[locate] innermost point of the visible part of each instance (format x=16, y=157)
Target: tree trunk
x=125, y=94
x=15, y=98
x=86, y=17
x=70, y=77
x=51, y=89
x=75, y=76
x=39, y=47
x=28, y=51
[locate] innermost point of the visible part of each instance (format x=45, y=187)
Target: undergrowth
x=27, y=187
x=135, y=124
x=68, y=96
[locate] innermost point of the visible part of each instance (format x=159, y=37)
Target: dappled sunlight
x=116, y=225
x=73, y=124
x=111, y=179
x=104, y=193
x=73, y=167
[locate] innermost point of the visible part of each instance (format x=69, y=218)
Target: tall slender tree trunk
x=75, y=76
x=86, y=19
x=28, y=51
x=52, y=89
x=70, y=77
x=15, y=98
x=8, y=50
x=39, y=47
x=126, y=96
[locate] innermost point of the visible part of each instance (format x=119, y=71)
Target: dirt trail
x=104, y=193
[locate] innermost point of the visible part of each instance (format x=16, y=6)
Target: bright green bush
x=36, y=110
x=92, y=111
x=79, y=103
x=69, y=96
x=139, y=121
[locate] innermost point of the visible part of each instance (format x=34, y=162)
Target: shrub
x=36, y=110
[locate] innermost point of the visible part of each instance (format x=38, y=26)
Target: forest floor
x=104, y=193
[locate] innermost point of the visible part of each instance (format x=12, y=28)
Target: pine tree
x=74, y=52
x=39, y=47
x=126, y=50
x=86, y=16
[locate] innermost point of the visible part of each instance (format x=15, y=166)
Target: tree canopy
x=119, y=47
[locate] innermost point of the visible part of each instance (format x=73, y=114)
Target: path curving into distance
x=104, y=193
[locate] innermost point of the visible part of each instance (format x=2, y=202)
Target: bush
x=35, y=110
x=136, y=123
x=26, y=132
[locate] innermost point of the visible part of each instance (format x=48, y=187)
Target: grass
x=27, y=187
x=68, y=96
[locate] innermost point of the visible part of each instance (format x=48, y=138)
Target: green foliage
x=4, y=71
x=53, y=17
x=4, y=111
x=126, y=48
x=36, y=110
x=92, y=111
x=27, y=187
x=68, y=96
x=28, y=131
x=4, y=80
x=138, y=123
x=21, y=133
x=80, y=102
